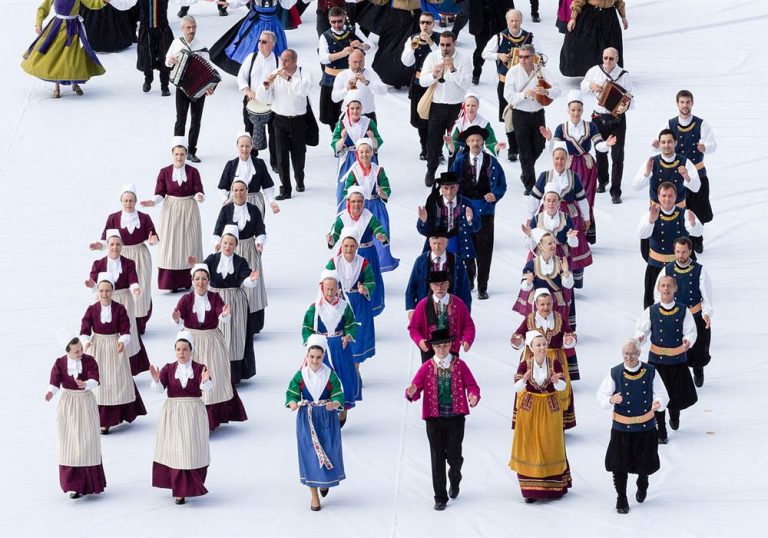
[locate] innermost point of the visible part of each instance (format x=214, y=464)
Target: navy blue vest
x=687, y=138
x=507, y=43
x=663, y=171
x=667, y=334
x=661, y=244
x=688, y=283
x=636, y=389
x=337, y=43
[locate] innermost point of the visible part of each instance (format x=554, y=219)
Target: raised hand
x=555, y=377
x=411, y=390
x=527, y=229
x=528, y=277
x=153, y=239
x=176, y=315
x=683, y=171
x=96, y=245
x=422, y=214
x=147, y=203
x=616, y=398
x=48, y=396
x=90, y=283
x=648, y=166
x=226, y=310
x=469, y=214
x=573, y=232
x=691, y=217
x=293, y=406
x=611, y=141
x=423, y=345
x=205, y=376
x=217, y=247
x=192, y=260
x=465, y=346
x=564, y=264
x=546, y=133
x=701, y=147
x=155, y=373
x=516, y=340
x=254, y=275
x=653, y=213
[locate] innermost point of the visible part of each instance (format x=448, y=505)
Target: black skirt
x=370, y=16
x=596, y=30
x=398, y=25
x=109, y=29
x=698, y=202
x=153, y=44
x=698, y=355
x=218, y=52
x=329, y=111
x=633, y=452
x=679, y=384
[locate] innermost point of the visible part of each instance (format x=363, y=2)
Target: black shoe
x=191, y=157
x=323, y=492
x=601, y=187
x=616, y=199
x=530, y=500
x=429, y=180
x=183, y=11
x=181, y=500
x=282, y=196
x=223, y=13
x=439, y=506
x=453, y=492
x=475, y=80
x=535, y=17
x=300, y=188
x=674, y=420
x=527, y=192
x=622, y=505
x=662, y=436
x=165, y=92
x=512, y=156
x=641, y=494
x=698, y=376
x=482, y=295
x=74, y=495
x=423, y=156
x=442, y=159
x=105, y=430
x=146, y=86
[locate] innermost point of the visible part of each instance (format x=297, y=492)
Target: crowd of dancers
x=224, y=296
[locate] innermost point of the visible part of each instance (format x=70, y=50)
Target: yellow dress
x=61, y=53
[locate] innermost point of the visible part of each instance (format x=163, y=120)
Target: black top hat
x=441, y=336
x=435, y=277
x=473, y=130
x=448, y=178
x=438, y=231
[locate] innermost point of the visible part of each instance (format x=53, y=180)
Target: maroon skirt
x=173, y=279
x=83, y=480
x=140, y=361
x=223, y=412
x=181, y=482
x=550, y=487
x=112, y=415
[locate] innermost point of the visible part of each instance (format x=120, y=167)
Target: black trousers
x=270, y=138
x=290, y=143
x=651, y=274
x=183, y=104
x=165, y=75
x=607, y=125
x=511, y=140
x=441, y=120
x=483, y=242
x=481, y=40
x=529, y=142
x=445, y=436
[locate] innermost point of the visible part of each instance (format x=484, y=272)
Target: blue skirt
x=247, y=39
x=341, y=361
x=377, y=299
x=328, y=432
x=364, y=346
x=379, y=209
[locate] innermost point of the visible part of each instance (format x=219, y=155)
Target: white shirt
x=492, y=48
x=608, y=388
x=641, y=181
x=705, y=288
x=180, y=43
x=259, y=67
x=288, y=98
x=518, y=82
x=408, y=56
x=439, y=260
x=130, y=221
x=597, y=75
x=645, y=228
x=540, y=374
x=707, y=138
x=365, y=92
x=443, y=363
x=456, y=83
x=322, y=44
x=643, y=325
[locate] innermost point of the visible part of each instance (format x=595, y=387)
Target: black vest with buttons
x=636, y=389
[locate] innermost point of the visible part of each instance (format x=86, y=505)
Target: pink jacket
x=463, y=384
x=459, y=322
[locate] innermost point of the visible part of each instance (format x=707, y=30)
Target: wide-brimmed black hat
x=448, y=178
x=440, y=336
x=473, y=130
x=438, y=231
x=435, y=277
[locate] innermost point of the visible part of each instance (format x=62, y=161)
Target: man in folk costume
x=670, y=327
x=360, y=79
x=661, y=226
x=449, y=211
x=469, y=117
x=486, y=19
x=437, y=258
x=334, y=47
x=668, y=166
x=634, y=446
x=694, y=138
x=694, y=289
x=502, y=51
x=441, y=310
x=414, y=53
x=482, y=183
x=449, y=391
x=155, y=37
x=610, y=122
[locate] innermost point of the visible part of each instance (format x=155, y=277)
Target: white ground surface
x=62, y=164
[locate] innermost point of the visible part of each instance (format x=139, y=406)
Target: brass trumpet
x=415, y=42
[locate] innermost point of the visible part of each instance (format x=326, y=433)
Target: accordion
x=612, y=97
x=193, y=75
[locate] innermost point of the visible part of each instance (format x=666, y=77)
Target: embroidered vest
x=667, y=334
x=687, y=138
x=661, y=244
x=688, y=283
x=336, y=43
x=507, y=43
x=663, y=171
x=636, y=389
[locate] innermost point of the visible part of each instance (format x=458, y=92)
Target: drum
x=257, y=108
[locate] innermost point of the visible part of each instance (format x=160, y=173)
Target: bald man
x=362, y=79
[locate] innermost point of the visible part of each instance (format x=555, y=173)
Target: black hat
x=435, y=277
x=438, y=231
x=440, y=336
x=448, y=178
x=473, y=130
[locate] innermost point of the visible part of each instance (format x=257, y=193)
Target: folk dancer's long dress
x=261, y=187
x=538, y=446
x=62, y=53
x=248, y=219
x=350, y=275
x=109, y=29
x=335, y=321
x=180, y=229
x=547, y=274
x=201, y=315
x=124, y=274
x=347, y=155
x=371, y=181
x=318, y=432
x=229, y=282
x=135, y=229
x=117, y=396
x=182, y=453
x=368, y=226
x=597, y=28
x=77, y=422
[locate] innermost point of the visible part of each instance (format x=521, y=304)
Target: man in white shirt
x=608, y=124
x=254, y=69
x=521, y=90
x=287, y=90
x=451, y=71
x=184, y=103
x=360, y=78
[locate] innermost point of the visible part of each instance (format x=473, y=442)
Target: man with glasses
x=451, y=72
x=334, y=47
x=607, y=123
x=521, y=90
x=323, y=12
x=414, y=53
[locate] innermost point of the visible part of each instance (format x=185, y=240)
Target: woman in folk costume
x=538, y=446
x=201, y=312
x=136, y=229
x=111, y=28
x=126, y=289
x=357, y=284
x=253, y=171
x=579, y=136
x=352, y=127
x=316, y=392
x=77, y=421
x=573, y=202
x=332, y=317
x=368, y=227
x=373, y=181
x=243, y=38
x=61, y=52
x=252, y=236
x=468, y=117
x=547, y=270
x=105, y=332
x=560, y=341
x=181, y=448
x=230, y=274
x=180, y=189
